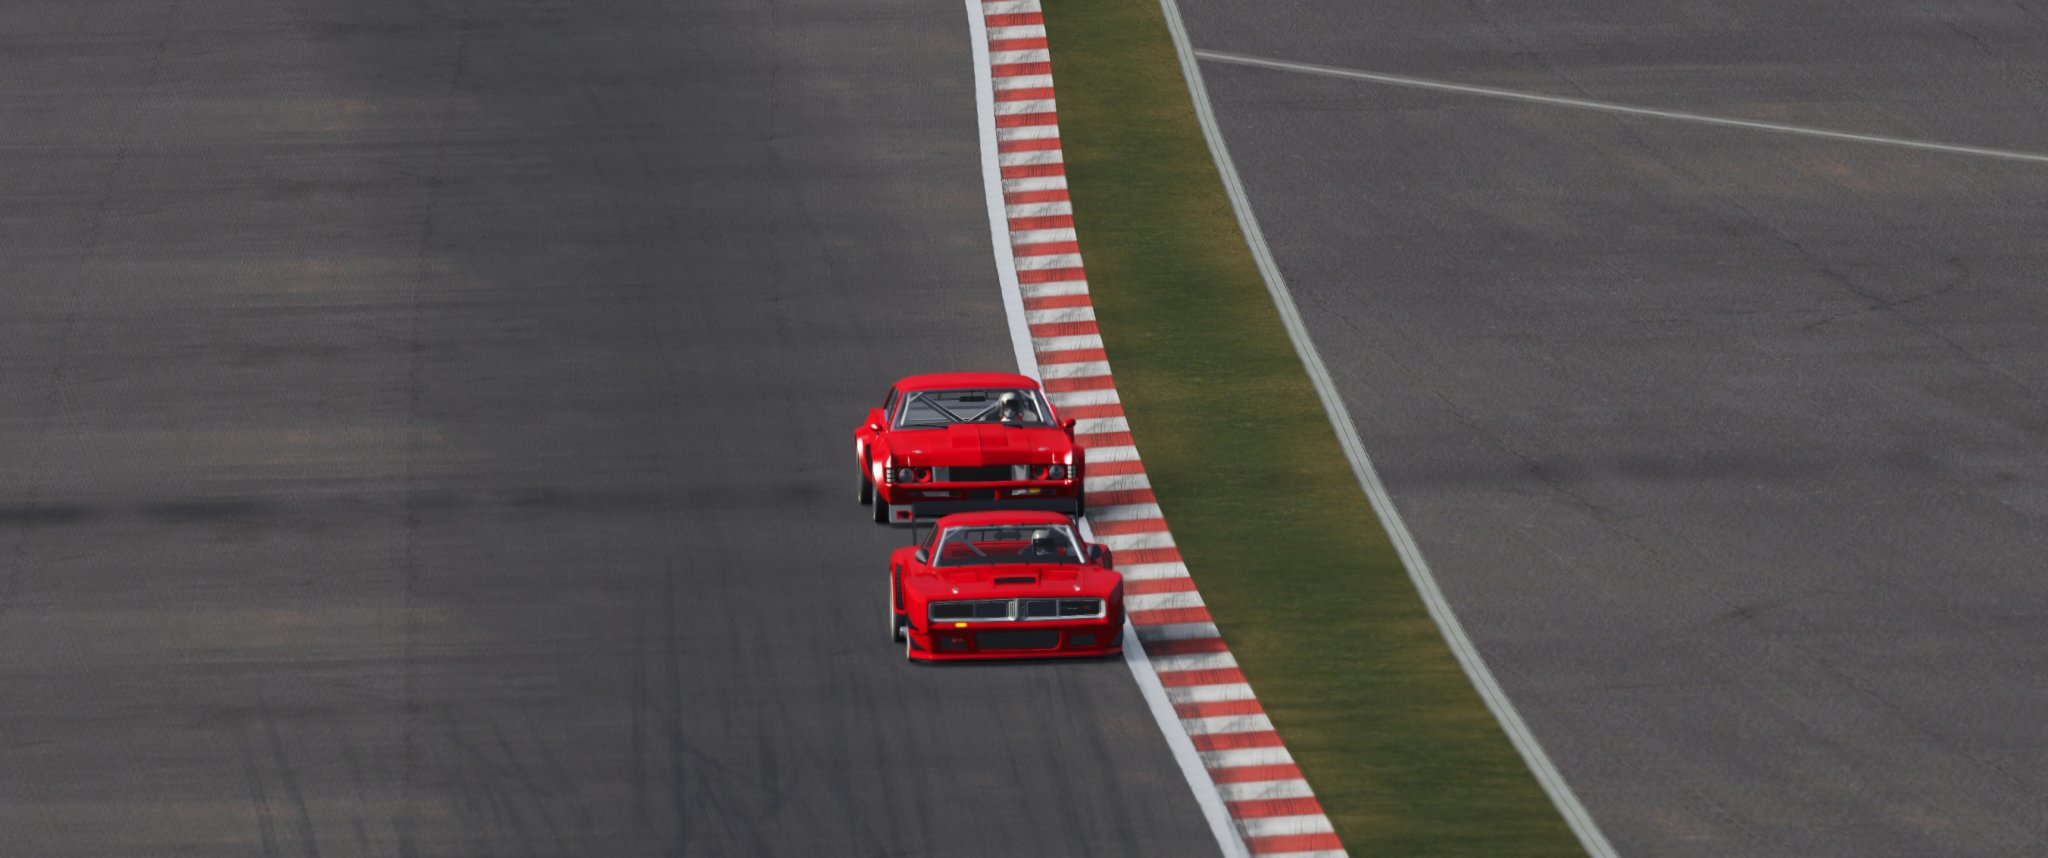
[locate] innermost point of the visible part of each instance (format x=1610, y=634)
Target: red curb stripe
x=995, y=45
x=1152, y=586
x=1188, y=678
x=1169, y=616
x=1019, y=224
x=1071, y=356
x=1091, y=412
x=1034, y=171
x=1016, y=19
x=1039, y=144
x=1051, y=275
x=1257, y=808
x=1216, y=708
x=1025, y=120
x=1046, y=248
x=1054, y=302
x=1236, y=741
x=1018, y=70
x=1141, y=555
x=1254, y=774
x=1072, y=329
x=1186, y=646
x=1072, y=385
x=1121, y=497
x=1049, y=195
x=1120, y=528
x=1293, y=843
x=1107, y=439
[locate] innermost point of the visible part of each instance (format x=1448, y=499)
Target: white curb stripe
x=1278, y=826
x=1033, y=55
x=1042, y=236
x=1200, y=661
x=1229, y=723
x=1266, y=790
x=1024, y=81
x=1084, y=369
x=1056, y=288
x=1064, y=344
x=1146, y=539
x=1085, y=397
x=1017, y=31
x=1162, y=601
x=1042, y=105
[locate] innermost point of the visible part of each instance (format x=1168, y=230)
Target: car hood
x=973, y=444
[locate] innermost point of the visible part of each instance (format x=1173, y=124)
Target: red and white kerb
x=1270, y=805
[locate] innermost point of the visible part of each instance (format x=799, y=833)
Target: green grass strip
x=1296, y=568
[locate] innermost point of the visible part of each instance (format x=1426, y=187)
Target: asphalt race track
x=1726, y=445
x=425, y=429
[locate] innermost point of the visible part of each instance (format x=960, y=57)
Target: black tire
x=867, y=491
x=881, y=509
x=895, y=619
x=909, y=646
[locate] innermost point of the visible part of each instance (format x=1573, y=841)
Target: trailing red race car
x=990, y=585
x=957, y=442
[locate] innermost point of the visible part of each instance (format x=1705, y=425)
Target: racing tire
x=895, y=619
x=881, y=506
x=909, y=648
x=867, y=489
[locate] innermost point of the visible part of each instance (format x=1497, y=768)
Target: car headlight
x=905, y=475
x=1056, y=472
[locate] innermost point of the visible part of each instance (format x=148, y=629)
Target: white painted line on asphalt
x=1192, y=764
x=1524, y=740
x=1612, y=107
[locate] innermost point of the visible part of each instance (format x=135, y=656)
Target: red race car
x=990, y=585
x=957, y=442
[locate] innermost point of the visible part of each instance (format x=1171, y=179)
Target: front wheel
x=867, y=491
x=896, y=620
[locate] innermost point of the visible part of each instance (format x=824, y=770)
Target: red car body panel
x=916, y=583
x=935, y=454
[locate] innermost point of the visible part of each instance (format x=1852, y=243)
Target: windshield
x=1007, y=406
x=1006, y=544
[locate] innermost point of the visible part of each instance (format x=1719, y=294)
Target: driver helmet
x=1009, y=406
x=1044, y=542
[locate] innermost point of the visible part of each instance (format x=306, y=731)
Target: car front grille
x=1033, y=639
x=983, y=474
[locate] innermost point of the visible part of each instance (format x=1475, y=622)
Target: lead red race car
x=994, y=585
x=959, y=442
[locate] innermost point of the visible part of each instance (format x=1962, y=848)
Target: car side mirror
x=922, y=556
x=1100, y=554
x=1068, y=424
x=874, y=419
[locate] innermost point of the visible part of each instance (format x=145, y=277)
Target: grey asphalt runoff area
x=425, y=429
x=1729, y=447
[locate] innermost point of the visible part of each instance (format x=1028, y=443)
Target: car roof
x=985, y=518
x=943, y=380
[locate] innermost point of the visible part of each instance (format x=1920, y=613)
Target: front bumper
x=904, y=510
x=1095, y=639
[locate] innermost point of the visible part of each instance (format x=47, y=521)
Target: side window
x=889, y=407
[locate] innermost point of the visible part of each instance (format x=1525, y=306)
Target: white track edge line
x=1207, y=796
x=992, y=191
x=1567, y=803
